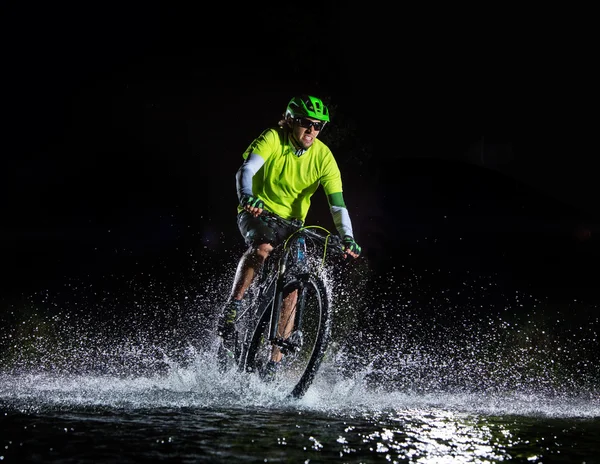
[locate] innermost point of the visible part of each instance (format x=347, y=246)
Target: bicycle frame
x=287, y=270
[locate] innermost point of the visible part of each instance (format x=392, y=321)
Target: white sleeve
x=342, y=222
x=244, y=175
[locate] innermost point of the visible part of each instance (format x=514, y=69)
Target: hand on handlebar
x=253, y=205
x=350, y=247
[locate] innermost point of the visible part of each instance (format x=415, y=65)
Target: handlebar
x=317, y=233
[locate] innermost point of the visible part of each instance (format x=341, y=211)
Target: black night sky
x=463, y=144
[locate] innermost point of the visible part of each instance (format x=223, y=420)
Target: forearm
x=342, y=221
x=340, y=215
x=244, y=175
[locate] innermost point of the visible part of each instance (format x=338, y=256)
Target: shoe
x=225, y=358
x=227, y=332
x=270, y=371
x=226, y=324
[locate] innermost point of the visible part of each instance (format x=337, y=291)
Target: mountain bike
x=284, y=329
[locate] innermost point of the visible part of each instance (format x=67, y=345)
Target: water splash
x=396, y=346
x=200, y=384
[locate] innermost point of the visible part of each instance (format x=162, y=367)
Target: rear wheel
x=304, y=349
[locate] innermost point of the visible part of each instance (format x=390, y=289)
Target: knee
x=262, y=251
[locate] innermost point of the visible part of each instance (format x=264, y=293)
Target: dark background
x=464, y=137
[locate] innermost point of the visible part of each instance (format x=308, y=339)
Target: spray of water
x=141, y=343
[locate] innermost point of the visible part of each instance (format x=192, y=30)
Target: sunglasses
x=307, y=124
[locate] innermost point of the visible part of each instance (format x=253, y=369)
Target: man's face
x=306, y=130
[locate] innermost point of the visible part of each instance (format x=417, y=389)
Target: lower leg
x=286, y=322
x=249, y=265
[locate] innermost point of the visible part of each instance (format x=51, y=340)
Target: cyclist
x=281, y=170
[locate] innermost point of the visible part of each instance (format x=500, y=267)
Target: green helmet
x=307, y=106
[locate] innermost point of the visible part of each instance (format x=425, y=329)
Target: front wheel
x=304, y=348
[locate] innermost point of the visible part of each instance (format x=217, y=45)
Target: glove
x=254, y=202
x=349, y=244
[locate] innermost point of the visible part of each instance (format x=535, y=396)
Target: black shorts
x=258, y=230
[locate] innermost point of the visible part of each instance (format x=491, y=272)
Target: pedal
x=293, y=344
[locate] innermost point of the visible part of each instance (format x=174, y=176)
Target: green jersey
x=286, y=181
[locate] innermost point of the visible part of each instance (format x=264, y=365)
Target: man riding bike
x=282, y=169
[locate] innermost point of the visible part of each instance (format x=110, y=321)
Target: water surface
x=196, y=414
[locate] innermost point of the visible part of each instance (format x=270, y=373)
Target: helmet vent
x=308, y=106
